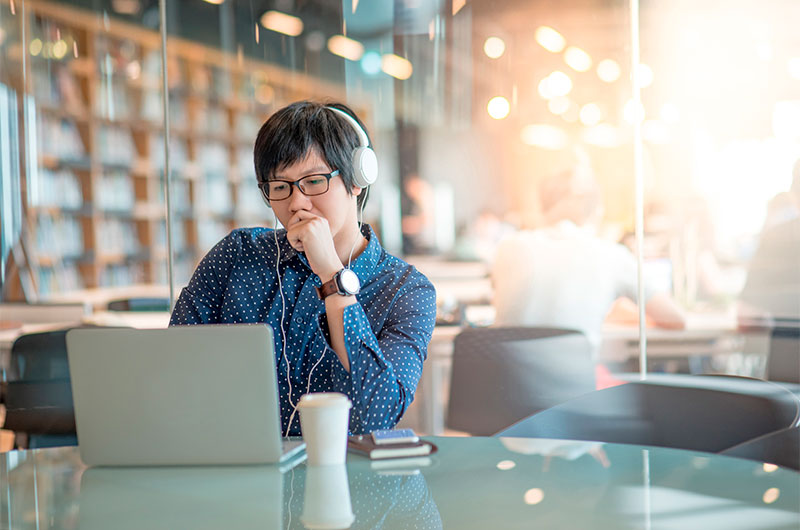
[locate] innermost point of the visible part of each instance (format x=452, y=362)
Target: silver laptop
x=188, y=395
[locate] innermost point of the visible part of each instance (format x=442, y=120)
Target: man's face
x=336, y=205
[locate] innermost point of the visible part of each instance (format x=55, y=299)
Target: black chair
x=501, y=375
x=37, y=394
x=139, y=304
x=781, y=448
x=783, y=361
x=701, y=413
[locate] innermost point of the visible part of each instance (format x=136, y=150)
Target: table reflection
x=388, y=498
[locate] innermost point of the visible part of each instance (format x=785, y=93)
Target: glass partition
x=535, y=158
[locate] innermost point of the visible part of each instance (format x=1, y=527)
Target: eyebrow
x=317, y=170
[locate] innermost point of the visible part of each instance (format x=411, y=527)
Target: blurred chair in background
x=781, y=448
x=783, y=361
x=139, y=304
x=37, y=394
x=501, y=375
x=699, y=413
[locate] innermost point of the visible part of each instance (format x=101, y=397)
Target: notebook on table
x=185, y=395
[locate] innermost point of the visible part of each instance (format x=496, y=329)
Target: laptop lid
x=186, y=395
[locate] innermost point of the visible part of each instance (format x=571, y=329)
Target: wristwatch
x=345, y=283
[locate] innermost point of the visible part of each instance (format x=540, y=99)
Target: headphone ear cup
x=365, y=167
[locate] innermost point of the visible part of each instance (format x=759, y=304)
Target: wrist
x=328, y=273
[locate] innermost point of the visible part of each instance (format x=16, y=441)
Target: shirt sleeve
x=199, y=302
x=626, y=270
x=385, y=368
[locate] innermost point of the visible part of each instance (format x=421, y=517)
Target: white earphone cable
x=283, y=315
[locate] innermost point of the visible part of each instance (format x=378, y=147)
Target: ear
x=357, y=191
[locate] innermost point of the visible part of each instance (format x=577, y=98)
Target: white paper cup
x=324, y=418
x=326, y=499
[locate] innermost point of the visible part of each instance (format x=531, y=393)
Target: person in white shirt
x=771, y=294
x=563, y=275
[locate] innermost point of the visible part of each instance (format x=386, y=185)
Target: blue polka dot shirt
x=386, y=333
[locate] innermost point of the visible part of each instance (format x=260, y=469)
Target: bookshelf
x=96, y=211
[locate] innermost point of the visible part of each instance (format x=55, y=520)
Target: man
x=329, y=336
x=565, y=276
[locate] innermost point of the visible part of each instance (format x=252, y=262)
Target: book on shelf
x=363, y=444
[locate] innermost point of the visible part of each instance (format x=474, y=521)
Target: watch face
x=349, y=281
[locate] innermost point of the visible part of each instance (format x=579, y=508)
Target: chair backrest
x=781, y=448
x=701, y=413
x=139, y=304
x=783, y=361
x=501, y=375
x=37, y=395
x=44, y=313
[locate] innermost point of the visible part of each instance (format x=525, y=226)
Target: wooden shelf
x=80, y=82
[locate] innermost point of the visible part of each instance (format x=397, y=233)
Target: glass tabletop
x=469, y=483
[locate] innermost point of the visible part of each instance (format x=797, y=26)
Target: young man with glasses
x=347, y=316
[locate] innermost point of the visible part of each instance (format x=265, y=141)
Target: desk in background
x=470, y=483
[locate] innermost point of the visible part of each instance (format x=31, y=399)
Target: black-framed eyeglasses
x=310, y=185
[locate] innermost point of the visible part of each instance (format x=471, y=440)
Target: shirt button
x=299, y=320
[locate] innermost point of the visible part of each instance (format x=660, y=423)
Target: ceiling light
x=608, y=70
x=371, y=63
x=498, y=107
x=591, y=114
x=550, y=39
x=345, y=47
x=282, y=23
x=559, y=105
x=60, y=49
x=554, y=85
x=35, y=47
x=578, y=59
x=396, y=66
x=494, y=47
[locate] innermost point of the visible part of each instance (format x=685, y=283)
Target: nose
x=298, y=201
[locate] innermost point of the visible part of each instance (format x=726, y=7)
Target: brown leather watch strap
x=328, y=288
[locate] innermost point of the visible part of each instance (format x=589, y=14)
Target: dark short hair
x=288, y=135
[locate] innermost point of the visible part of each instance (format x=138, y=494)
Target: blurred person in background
x=417, y=204
x=563, y=275
x=771, y=294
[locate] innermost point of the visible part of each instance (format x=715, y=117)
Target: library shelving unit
x=94, y=214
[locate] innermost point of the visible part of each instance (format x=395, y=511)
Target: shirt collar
x=363, y=265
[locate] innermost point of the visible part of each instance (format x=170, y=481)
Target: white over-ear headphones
x=365, y=163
